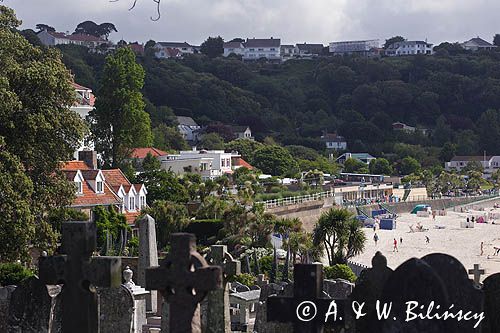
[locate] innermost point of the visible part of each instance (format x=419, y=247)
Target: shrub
x=339, y=271
x=13, y=274
x=244, y=278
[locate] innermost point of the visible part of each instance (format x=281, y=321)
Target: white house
x=256, y=49
x=188, y=128
x=172, y=49
x=334, y=141
x=236, y=48
x=84, y=103
x=309, y=50
x=52, y=38
x=409, y=48
x=489, y=163
x=399, y=126
x=288, y=51
x=476, y=44
x=242, y=132
x=361, y=47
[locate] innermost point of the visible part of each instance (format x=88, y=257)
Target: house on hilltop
x=488, y=163
x=356, y=47
x=52, y=38
x=362, y=157
x=236, y=48
x=309, y=50
x=165, y=50
x=334, y=141
x=409, y=48
x=477, y=44
x=242, y=132
x=84, y=103
x=268, y=48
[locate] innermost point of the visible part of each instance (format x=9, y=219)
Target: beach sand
x=461, y=243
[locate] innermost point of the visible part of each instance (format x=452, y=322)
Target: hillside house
x=362, y=157
x=236, y=48
x=399, y=126
x=84, y=103
x=242, y=132
x=409, y=48
x=357, y=47
x=489, y=163
x=139, y=154
x=52, y=38
x=288, y=51
x=256, y=49
x=477, y=44
x=334, y=141
x=188, y=128
x=95, y=187
x=165, y=50
x=309, y=50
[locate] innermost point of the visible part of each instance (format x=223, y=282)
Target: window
x=273, y=49
x=252, y=49
x=99, y=187
x=260, y=49
x=143, y=201
x=131, y=203
x=223, y=163
x=79, y=187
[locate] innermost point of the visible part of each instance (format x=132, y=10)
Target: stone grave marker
x=491, y=289
x=477, y=272
x=368, y=289
x=31, y=308
x=414, y=280
x=5, y=296
x=246, y=302
x=338, y=288
x=80, y=274
x=217, y=319
x=307, y=290
x=462, y=292
x=261, y=323
x=184, y=279
x=148, y=257
x=116, y=310
x=139, y=294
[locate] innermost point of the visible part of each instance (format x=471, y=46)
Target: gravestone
x=5, y=296
x=217, y=318
x=238, y=287
x=307, y=289
x=477, y=272
x=414, y=280
x=139, y=295
x=338, y=288
x=368, y=290
x=261, y=323
x=261, y=280
x=32, y=309
x=80, y=274
x=245, y=301
x=116, y=310
x=491, y=289
x=148, y=257
x=462, y=292
x=184, y=279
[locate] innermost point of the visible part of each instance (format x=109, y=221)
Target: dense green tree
x=409, y=165
x=150, y=163
x=211, y=141
x=245, y=147
x=94, y=29
x=168, y=138
x=38, y=128
x=111, y=229
x=489, y=127
x=354, y=165
x=275, y=160
x=392, y=40
x=41, y=27
x=119, y=122
x=163, y=185
x=340, y=234
x=213, y=47
x=380, y=166
x=170, y=217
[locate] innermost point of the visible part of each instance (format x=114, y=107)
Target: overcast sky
x=291, y=20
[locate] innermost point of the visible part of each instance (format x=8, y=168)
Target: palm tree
x=340, y=234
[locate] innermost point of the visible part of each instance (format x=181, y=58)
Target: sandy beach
x=461, y=243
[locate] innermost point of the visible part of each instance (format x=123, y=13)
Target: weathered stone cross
x=477, y=272
x=308, y=307
x=218, y=317
x=80, y=274
x=183, y=278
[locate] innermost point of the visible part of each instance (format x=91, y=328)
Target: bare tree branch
x=135, y=3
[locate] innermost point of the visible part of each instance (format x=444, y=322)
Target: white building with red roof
x=53, y=38
x=96, y=187
x=84, y=103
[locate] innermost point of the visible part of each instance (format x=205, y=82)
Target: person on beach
x=375, y=239
x=427, y=239
x=400, y=240
x=434, y=215
x=482, y=251
x=395, y=249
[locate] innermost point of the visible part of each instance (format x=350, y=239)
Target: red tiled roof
x=57, y=34
x=90, y=174
x=85, y=38
x=242, y=163
x=90, y=198
x=79, y=87
x=75, y=165
x=115, y=178
x=143, y=152
x=132, y=216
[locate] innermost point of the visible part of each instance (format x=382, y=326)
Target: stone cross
x=477, y=272
x=148, y=257
x=307, y=290
x=218, y=316
x=80, y=274
x=184, y=279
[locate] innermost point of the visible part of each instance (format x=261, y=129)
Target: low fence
x=288, y=201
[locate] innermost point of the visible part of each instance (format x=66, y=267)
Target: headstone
x=462, y=292
x=116, y=310
x=5, y=296
x=238, y=287
x=148, y=257
x=217, y=319
x=491, y=289
x=184, y=279
x=31, y=307
x=414, y=280
x=368, y=290
x=261, y=323
x=80, y=273
x=261, y=280
x=307, y=289
x=338, y=288
x=139, y=294
x=476, y=272
x=246, y=302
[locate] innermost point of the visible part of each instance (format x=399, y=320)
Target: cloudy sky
x=291, y=20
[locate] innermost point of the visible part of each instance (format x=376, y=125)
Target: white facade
x=209, y=164
x=83, y=105
x=353, y=47
x=52, y=38
x=336, y=145
x=256, y=49
x=162, y=49
x=409, y=48
x=489, y=163
x=233, y=48
x=188, y=128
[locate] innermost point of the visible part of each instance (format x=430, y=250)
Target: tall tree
x=41, y=27
x=392, y=40
x=35, y=122
x=119, y=122
x=98, y=30
x=213, y=47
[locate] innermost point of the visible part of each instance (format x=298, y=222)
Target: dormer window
x=99, y=187
x=79, y=187
x=131, y=203
x=142, y=202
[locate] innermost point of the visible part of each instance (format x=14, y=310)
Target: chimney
x=89, y=157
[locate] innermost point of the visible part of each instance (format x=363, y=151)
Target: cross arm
x=104, y=271
x=52, y=270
